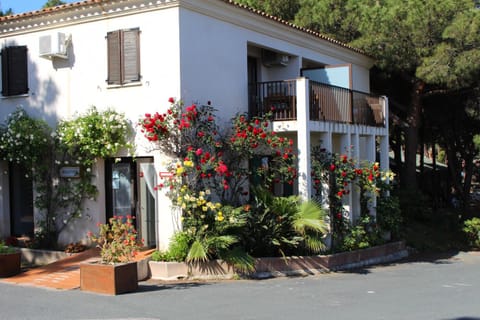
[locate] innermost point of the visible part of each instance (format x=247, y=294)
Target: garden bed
x=290, y=266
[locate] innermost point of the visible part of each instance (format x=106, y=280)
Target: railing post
x=351, y=107
x=303, y=139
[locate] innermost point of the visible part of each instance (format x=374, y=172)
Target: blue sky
x=20, y=6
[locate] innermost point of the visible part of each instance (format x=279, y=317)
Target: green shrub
x=178, y=249
x=363, y=235
x=389, y=215
x=471, y=228
x=4, y=249
x=279, y=226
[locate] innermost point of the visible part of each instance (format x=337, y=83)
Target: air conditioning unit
x=54, y=45
x=274, y=59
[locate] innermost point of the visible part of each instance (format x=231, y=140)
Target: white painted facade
x=194, y=50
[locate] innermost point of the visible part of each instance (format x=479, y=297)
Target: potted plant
x=9, y=260
x=116, y=272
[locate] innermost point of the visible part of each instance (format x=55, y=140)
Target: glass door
x=130, y=191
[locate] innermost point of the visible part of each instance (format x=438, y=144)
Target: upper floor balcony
x=324, y=102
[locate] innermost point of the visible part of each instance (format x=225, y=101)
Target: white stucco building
x=132, y=55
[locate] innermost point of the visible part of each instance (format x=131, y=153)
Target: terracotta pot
x=9, y=264
x=108, y=278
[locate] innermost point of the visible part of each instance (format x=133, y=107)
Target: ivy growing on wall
x=43, y=152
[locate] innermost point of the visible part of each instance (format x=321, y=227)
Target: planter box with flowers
x=9, y=261
x=115, y=273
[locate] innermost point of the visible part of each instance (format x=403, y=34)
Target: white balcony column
x=370, y=148
x=384, y=144
x=355, y=191
x=303, y=140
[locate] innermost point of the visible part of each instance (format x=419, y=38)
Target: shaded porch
x=324, y=102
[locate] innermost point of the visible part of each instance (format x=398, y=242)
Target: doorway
x=130, y=190
x=21, y=201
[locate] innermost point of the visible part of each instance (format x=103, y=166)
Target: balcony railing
x=326, y=103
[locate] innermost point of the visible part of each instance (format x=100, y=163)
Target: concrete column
x=371, y=148
x=384, y=143
x=303, y=139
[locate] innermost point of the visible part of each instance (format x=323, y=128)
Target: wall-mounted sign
x=70, y=172
x=165, y=174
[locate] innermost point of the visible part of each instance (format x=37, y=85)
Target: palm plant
x=219, y=240
x=283, y=225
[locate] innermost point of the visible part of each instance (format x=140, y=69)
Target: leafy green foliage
x=455, y=61
x=4, y=249
x=177, y=249
x=79, y=142
x=94, y=134
x=471, y=228
x=25, y=140
x=52, y=3
x=389, y=215
x=285, y=9
x=363, y=234
x=279, y=226
x=338, y=19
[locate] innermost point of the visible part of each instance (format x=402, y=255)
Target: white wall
x=197, y=52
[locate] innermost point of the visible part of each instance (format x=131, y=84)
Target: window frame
x=14, y=61
x=123, y=57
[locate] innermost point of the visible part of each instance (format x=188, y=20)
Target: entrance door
x=130, y=191
x=21, y=202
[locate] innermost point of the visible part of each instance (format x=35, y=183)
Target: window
x=14, y=71
x=123, y=48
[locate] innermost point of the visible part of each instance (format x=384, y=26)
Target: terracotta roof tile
x=231, y=2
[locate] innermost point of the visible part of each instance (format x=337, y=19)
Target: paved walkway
x=63, y=274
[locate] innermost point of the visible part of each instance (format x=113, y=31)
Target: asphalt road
x=444, y=288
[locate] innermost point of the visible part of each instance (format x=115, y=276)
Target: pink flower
x=171, y=100
x=199, y=152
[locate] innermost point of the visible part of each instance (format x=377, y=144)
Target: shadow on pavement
x=415, y=257
x=152, y=285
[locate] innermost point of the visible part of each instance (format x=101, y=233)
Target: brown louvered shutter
x=114, y=58
x=131, y=55
x=14, y=71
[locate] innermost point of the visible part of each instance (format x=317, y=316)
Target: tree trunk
x=412, y=131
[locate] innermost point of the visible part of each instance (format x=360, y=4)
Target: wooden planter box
x=109, y=279
x=10, y=264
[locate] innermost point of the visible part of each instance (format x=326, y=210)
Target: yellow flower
x=207, y=192
x=180, y=171
x=204, y=208
x=188, y=163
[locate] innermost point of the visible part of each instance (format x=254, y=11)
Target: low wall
x=274, y=267
x=39, y=257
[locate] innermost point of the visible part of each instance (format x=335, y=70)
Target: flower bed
x=274, y=267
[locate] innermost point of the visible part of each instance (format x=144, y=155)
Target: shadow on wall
x=43, y=93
